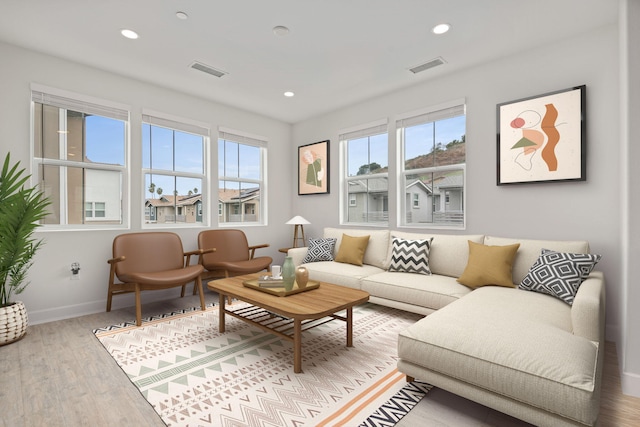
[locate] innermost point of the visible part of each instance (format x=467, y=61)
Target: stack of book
x=270, y=282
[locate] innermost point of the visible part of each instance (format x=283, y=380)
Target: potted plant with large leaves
x=21, y=209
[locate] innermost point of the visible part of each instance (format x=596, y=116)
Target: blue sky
x=419, y=140
x=105, y=145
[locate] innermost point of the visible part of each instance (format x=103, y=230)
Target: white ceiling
x=337, y=52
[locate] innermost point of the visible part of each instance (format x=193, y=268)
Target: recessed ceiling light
x=441, y=28
x=130, y=34
x=181, y=15
x=289, y=94
x=280, y=30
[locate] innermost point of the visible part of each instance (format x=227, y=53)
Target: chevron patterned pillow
x=411, y=256
x=559, y=274
x=319, y=250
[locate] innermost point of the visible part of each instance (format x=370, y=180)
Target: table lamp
x=298, y=222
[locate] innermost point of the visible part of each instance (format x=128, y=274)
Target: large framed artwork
x=542, y=138
x=313, y=168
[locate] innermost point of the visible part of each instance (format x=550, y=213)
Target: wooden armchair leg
x=198, y=285
x=138, y=307
x=109, y=298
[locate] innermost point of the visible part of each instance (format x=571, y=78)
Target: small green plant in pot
x=21, y=209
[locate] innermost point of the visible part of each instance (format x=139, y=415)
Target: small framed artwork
x=542, y=138
x=313, y=168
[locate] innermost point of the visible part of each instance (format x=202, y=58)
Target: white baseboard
x=630, y=384
x=119, y=301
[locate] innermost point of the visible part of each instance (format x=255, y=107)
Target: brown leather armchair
x=233, y=255
x=148, y=261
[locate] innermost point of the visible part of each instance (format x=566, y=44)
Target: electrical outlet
x=75, y=271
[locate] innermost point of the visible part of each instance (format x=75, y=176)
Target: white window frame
x=181, y=124
x=427, y=115
x=93, y=211
x=261, y=142
x=366, y=130
x=67, y=100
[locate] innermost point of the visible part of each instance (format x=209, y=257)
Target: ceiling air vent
x=427, y=65
x=207, y=69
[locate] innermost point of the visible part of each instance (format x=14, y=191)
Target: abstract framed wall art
x=542, y=138
x=313, y=168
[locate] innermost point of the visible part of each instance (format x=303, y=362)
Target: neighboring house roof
x=229, y=196
x=450, y=181
x=174, y=200
x=225, y=196
x=422, y=185
x=370, y=185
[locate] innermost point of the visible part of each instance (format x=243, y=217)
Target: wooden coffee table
x=288, y=316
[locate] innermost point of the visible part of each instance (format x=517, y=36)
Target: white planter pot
x=13, y=322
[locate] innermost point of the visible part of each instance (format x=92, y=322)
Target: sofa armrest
x=297, y=254
x=588, y=309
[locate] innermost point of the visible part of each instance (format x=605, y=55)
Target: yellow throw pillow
x=489, y=265
x=352, y=249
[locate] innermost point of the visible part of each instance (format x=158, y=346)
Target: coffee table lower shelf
x=276, y=324
x=288, y=317
x=288, y=328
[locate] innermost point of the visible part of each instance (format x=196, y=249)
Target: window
x=79, y=146
x=241, y=160
x=432, y=165
x=95, y=210
x=366, y=181
x=173, y=165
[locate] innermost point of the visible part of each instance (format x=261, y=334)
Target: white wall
x=51, y=294
x=629, y=345
x=575, y=210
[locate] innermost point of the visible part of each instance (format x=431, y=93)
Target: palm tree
x=152, y=190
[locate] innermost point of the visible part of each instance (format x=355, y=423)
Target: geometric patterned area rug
x=194, y=376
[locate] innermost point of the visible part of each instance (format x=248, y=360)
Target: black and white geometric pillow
x=411, y=256
x=319, y=250
x=559, y=274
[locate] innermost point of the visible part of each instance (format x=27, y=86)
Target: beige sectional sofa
x=527, y=354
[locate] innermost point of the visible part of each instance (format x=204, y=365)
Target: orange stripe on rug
x=364, y=399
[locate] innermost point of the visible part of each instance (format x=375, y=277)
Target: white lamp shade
x=297, y=220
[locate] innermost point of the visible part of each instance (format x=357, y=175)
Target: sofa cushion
x=448, y=254
x=378, y=249
x=559, y=274
x=319, y=249
x=433, y=292
x=338, y=273
x=489, y=265
x=410, y=256
x=497, y=333
x=352, y=249
x=529, y=251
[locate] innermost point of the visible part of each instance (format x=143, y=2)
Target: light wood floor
x=60, y=375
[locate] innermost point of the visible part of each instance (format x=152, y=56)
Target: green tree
x=367, y=169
